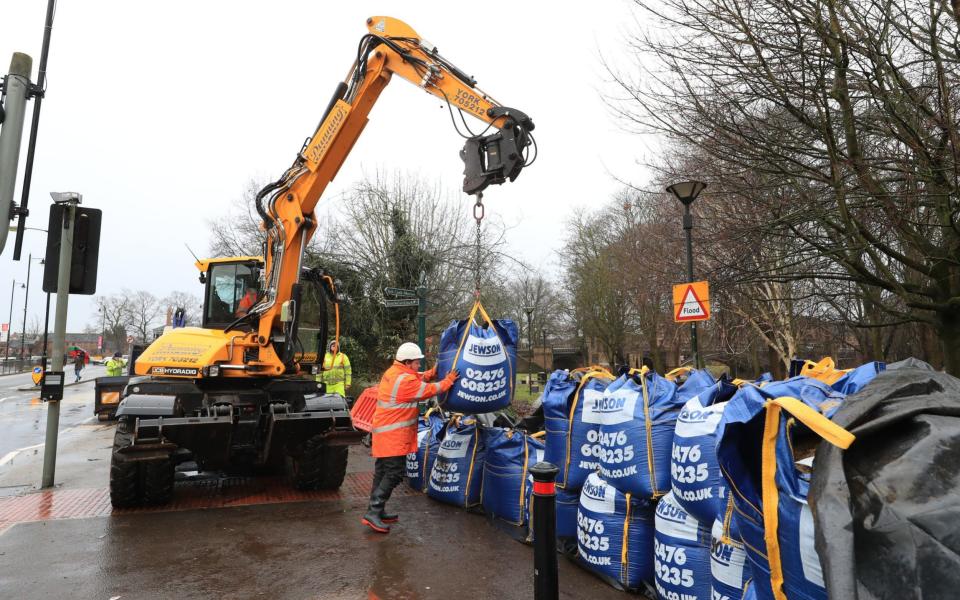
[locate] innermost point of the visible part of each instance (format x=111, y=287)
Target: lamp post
x=686, y=192
x=46, y=315
x=529, y=311
x=26, y=297
x=6, y=346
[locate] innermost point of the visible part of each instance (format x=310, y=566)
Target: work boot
x=372, y=518
x=388, y=517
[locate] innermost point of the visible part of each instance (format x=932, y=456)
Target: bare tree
x=143, y=312
x=840, y=119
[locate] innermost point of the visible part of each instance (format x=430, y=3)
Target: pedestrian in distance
x=336, y=373
x=78, y=364
x=115, y=365
x=395, y=427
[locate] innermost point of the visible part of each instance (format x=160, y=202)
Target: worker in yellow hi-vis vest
x=336, y=370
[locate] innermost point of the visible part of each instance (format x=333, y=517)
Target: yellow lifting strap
x=677, y=373
x=824, y=371
x=819, y=424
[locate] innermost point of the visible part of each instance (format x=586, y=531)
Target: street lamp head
x=64, y=197
x=687, y=191
x=528, y=310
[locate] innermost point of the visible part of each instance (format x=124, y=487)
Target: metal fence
x=16, y=365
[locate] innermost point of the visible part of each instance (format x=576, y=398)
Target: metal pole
x=688, y=228
x=530, y=360
x=6, y=347
x=46, y=326
x=35, y=124
x=59, y=335
x=544, y=531
x=422, y=318
x=26, y=296
x=16, y=90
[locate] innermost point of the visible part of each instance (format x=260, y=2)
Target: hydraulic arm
x=286, y=206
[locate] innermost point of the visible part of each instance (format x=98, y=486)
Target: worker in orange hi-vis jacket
x=395, y=427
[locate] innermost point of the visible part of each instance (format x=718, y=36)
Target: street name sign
x=691, y=302
x=399, y=292
x=401, y=302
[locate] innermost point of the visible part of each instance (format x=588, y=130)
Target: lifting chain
x=478, y=264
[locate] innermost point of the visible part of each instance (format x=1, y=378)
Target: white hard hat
x=409, y=351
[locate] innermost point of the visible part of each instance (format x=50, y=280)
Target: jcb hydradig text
x=234, y=392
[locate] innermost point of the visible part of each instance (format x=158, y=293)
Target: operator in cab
x=246, y=302
x=395, y=427
x=115, y=365
x=336, y=373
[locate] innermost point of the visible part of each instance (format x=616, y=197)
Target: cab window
x=231, y=292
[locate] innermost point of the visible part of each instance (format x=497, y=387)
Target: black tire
x=334, y=467
x=157, y=481
x=125, y=484
x=319, y=466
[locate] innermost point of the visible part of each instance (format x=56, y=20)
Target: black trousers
x=387, y=474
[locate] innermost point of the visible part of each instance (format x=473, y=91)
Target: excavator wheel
x=319, y=466
x=157, y=481
x=125, y=480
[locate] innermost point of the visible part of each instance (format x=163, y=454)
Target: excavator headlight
x=314, y=369
x=212, y=371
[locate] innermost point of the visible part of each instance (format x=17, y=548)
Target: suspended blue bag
x=420, y=463
x=761, y=427
x=681, y=550
x=564, y=397
x=457, y=474
x=637, y=414
x=485, y=356
x=509, y=456
x=729, y=570
x=615, y=534
x=855, y=380
x=695, y=478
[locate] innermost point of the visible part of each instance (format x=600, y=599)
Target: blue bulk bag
x=557, y=398
x=729, y=570
x=420, y=463
x=509, y=455
x=566, y=502
x=637, y=414
x=856, y=379
x=695, y=478
x=485, y=356
x=456, y=477
x=761, y=427
x=572, y=427
x=681, y=551
x=615, y=534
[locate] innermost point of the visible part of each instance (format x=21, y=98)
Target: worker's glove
x=449, y=380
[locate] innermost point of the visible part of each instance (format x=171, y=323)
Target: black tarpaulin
x=887, y=510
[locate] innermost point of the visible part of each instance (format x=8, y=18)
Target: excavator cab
x=231, y=288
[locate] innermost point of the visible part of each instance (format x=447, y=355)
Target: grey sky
x=160, y=113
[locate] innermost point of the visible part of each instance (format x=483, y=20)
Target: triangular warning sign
x=691, y=308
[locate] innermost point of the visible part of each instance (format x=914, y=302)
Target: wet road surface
x=297, y=551
x=23, y=416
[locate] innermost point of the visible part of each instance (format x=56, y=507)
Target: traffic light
x=86, y=248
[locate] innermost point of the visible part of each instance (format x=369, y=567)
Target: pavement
x=237, y=537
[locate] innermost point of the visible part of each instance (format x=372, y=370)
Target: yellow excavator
x=233, y=393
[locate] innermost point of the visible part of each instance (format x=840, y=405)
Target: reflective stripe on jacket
x=395, y=418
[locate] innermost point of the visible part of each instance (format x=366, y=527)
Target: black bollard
x=544, y=531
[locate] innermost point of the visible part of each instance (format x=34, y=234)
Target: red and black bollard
x=544, y=531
